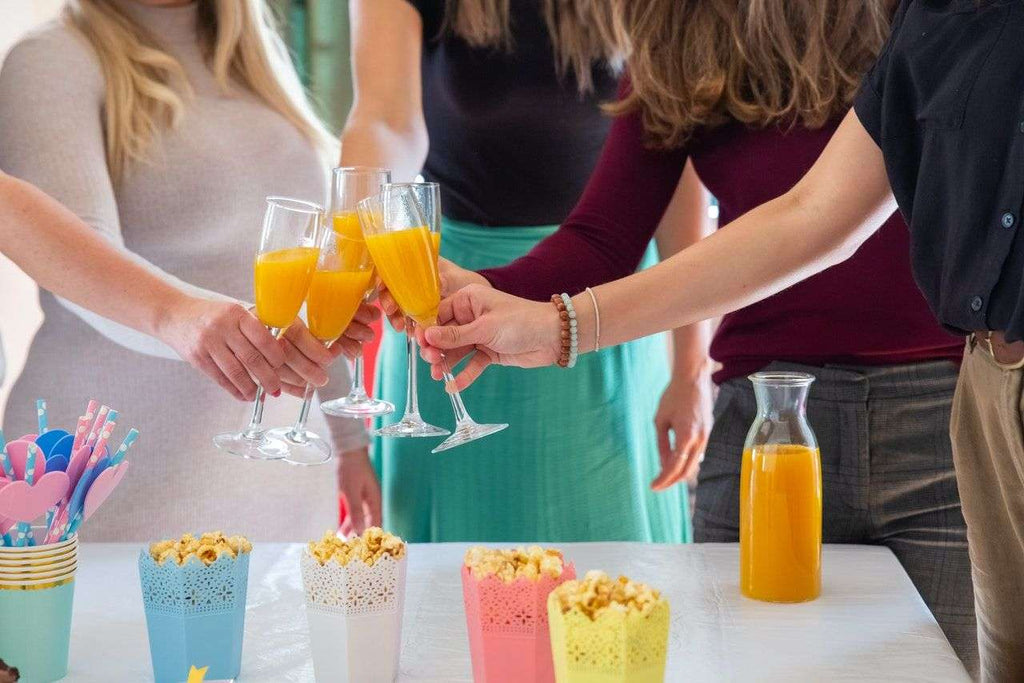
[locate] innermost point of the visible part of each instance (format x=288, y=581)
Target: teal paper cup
x=35, y=624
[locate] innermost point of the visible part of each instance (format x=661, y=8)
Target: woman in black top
x=937, y=129
x=498, y=101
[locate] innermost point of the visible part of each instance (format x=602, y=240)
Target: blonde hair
x=146, y=87
x=582, y=32
x=702, y=63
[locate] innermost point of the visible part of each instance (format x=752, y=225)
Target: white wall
x=19, y=310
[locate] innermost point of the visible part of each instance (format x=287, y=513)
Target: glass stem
x=458, y=407
x=254, y=430
x=299, y=430
x=358, y=390
x=412, y=404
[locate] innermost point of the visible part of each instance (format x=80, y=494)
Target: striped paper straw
x=25, y=528
x=95, y=430
x=4, y=460
x=104, y=436
x=81, y=431
x=42, y=416
x=122, y=450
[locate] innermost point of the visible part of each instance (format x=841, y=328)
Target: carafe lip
x=782, y=378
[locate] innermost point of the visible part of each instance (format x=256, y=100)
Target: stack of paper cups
x=355, y=618
x=37, y=590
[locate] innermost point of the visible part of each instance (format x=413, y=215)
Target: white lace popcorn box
x=355, y=618
x=508, y=627
x=195, y=615
x=616, y=647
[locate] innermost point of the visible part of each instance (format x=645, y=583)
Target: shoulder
x=54, y=52
x=431, y=14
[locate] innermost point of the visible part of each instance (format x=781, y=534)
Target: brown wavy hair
x=583, y=32
x=702, y=63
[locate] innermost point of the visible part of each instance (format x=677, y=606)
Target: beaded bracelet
x=570, y=340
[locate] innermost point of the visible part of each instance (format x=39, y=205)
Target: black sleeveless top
x=511, y=143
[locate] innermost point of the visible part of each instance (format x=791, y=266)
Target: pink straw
x=104, y=436
x=94, y=432
x=81, y=431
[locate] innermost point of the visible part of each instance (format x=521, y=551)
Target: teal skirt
x=575, y=463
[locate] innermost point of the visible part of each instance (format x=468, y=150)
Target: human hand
x=498, y=327
x=227, y=343
x=306, y=359
x=685, y=413
x=358, y=331
x=358, y=483
x=453, y=278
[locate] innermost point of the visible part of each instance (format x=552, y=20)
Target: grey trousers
x=887, y=473
x=988, y=443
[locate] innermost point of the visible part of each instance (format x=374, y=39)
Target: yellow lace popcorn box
x=355, y=593
x=193, y=591
x=600, y=637
x=506, y=594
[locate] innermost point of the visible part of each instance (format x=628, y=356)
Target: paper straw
x=81, y=431
x=122, y=450
x=25, y=528
x=104, y=436
x=42, y=416
x=95, y=430
x=4, y=460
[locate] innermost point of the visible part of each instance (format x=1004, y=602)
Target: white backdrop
x=19, y=310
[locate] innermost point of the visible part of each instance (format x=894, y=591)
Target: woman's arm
x=683, y=420
x=822, y=221
x=385, y=127
x=65, y=256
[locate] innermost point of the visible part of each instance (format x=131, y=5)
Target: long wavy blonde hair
x=702, y=63
x=583, y=32
x=147, y=89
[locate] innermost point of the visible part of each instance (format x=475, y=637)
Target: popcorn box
x=195, y=614
x=355, y=618
x=615, y=647
x=508, y=626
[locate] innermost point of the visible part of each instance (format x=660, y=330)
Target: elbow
x=406, y=130
x=836, y=238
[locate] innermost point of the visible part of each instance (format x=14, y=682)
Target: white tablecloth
x=869, y=624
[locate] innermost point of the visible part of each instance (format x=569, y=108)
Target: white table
x=869, y=625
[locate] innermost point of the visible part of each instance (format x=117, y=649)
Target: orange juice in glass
x=334, y=297
x=407, y=263
x=780, y=495
x=282, y=279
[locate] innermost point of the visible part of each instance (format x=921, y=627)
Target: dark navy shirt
x=945, y=103
x=511, y=143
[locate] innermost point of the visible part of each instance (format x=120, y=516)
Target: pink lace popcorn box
x=195, y=615
x=355, y=618
x=508, y=627
x=615, y=647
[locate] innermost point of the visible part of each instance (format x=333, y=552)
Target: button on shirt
x=945, y=103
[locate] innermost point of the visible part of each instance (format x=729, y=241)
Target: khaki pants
x=988, y=449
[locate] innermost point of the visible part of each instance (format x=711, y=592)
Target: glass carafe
x=780, y=494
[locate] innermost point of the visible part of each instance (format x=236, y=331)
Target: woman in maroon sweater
x=885, y=369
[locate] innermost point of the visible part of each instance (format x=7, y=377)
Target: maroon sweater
x=865, y=311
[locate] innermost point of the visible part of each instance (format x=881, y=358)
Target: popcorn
x=369, y=548
x=597, y=593
x=508, y=565
x=207, y=548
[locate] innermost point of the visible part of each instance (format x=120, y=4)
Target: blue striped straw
x=41, y=415
x=122, y=450
x=5, y=462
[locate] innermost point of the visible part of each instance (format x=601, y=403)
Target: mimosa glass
x=428, y=197
x=348, y=186
x=343, y=278
x=282, y=271
x=404, y=249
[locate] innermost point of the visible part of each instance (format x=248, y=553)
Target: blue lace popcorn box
x=195, y=614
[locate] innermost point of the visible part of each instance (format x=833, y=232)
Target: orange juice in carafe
x=406, y=261
x=281, y=282
x=780, y=495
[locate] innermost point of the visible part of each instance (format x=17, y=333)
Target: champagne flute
x=348, y=186
x=428, y=196
x=402, y=245
x=282, y=272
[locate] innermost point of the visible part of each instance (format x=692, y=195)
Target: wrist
x=586, y=322
x=691, y=369
x=168, y=310
x=552, y=326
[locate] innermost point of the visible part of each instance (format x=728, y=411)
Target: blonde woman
x=163, y=125
x=499, y=102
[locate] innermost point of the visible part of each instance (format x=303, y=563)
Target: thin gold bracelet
x=597, y=320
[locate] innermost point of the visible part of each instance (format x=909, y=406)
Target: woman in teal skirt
x=514, y=130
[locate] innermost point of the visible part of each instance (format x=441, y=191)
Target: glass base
x=466, y=432
x=251, y=445
x=304, y=448
x=357, y=407
x=411, y=426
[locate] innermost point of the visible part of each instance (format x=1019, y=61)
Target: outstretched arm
x=822, y=221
